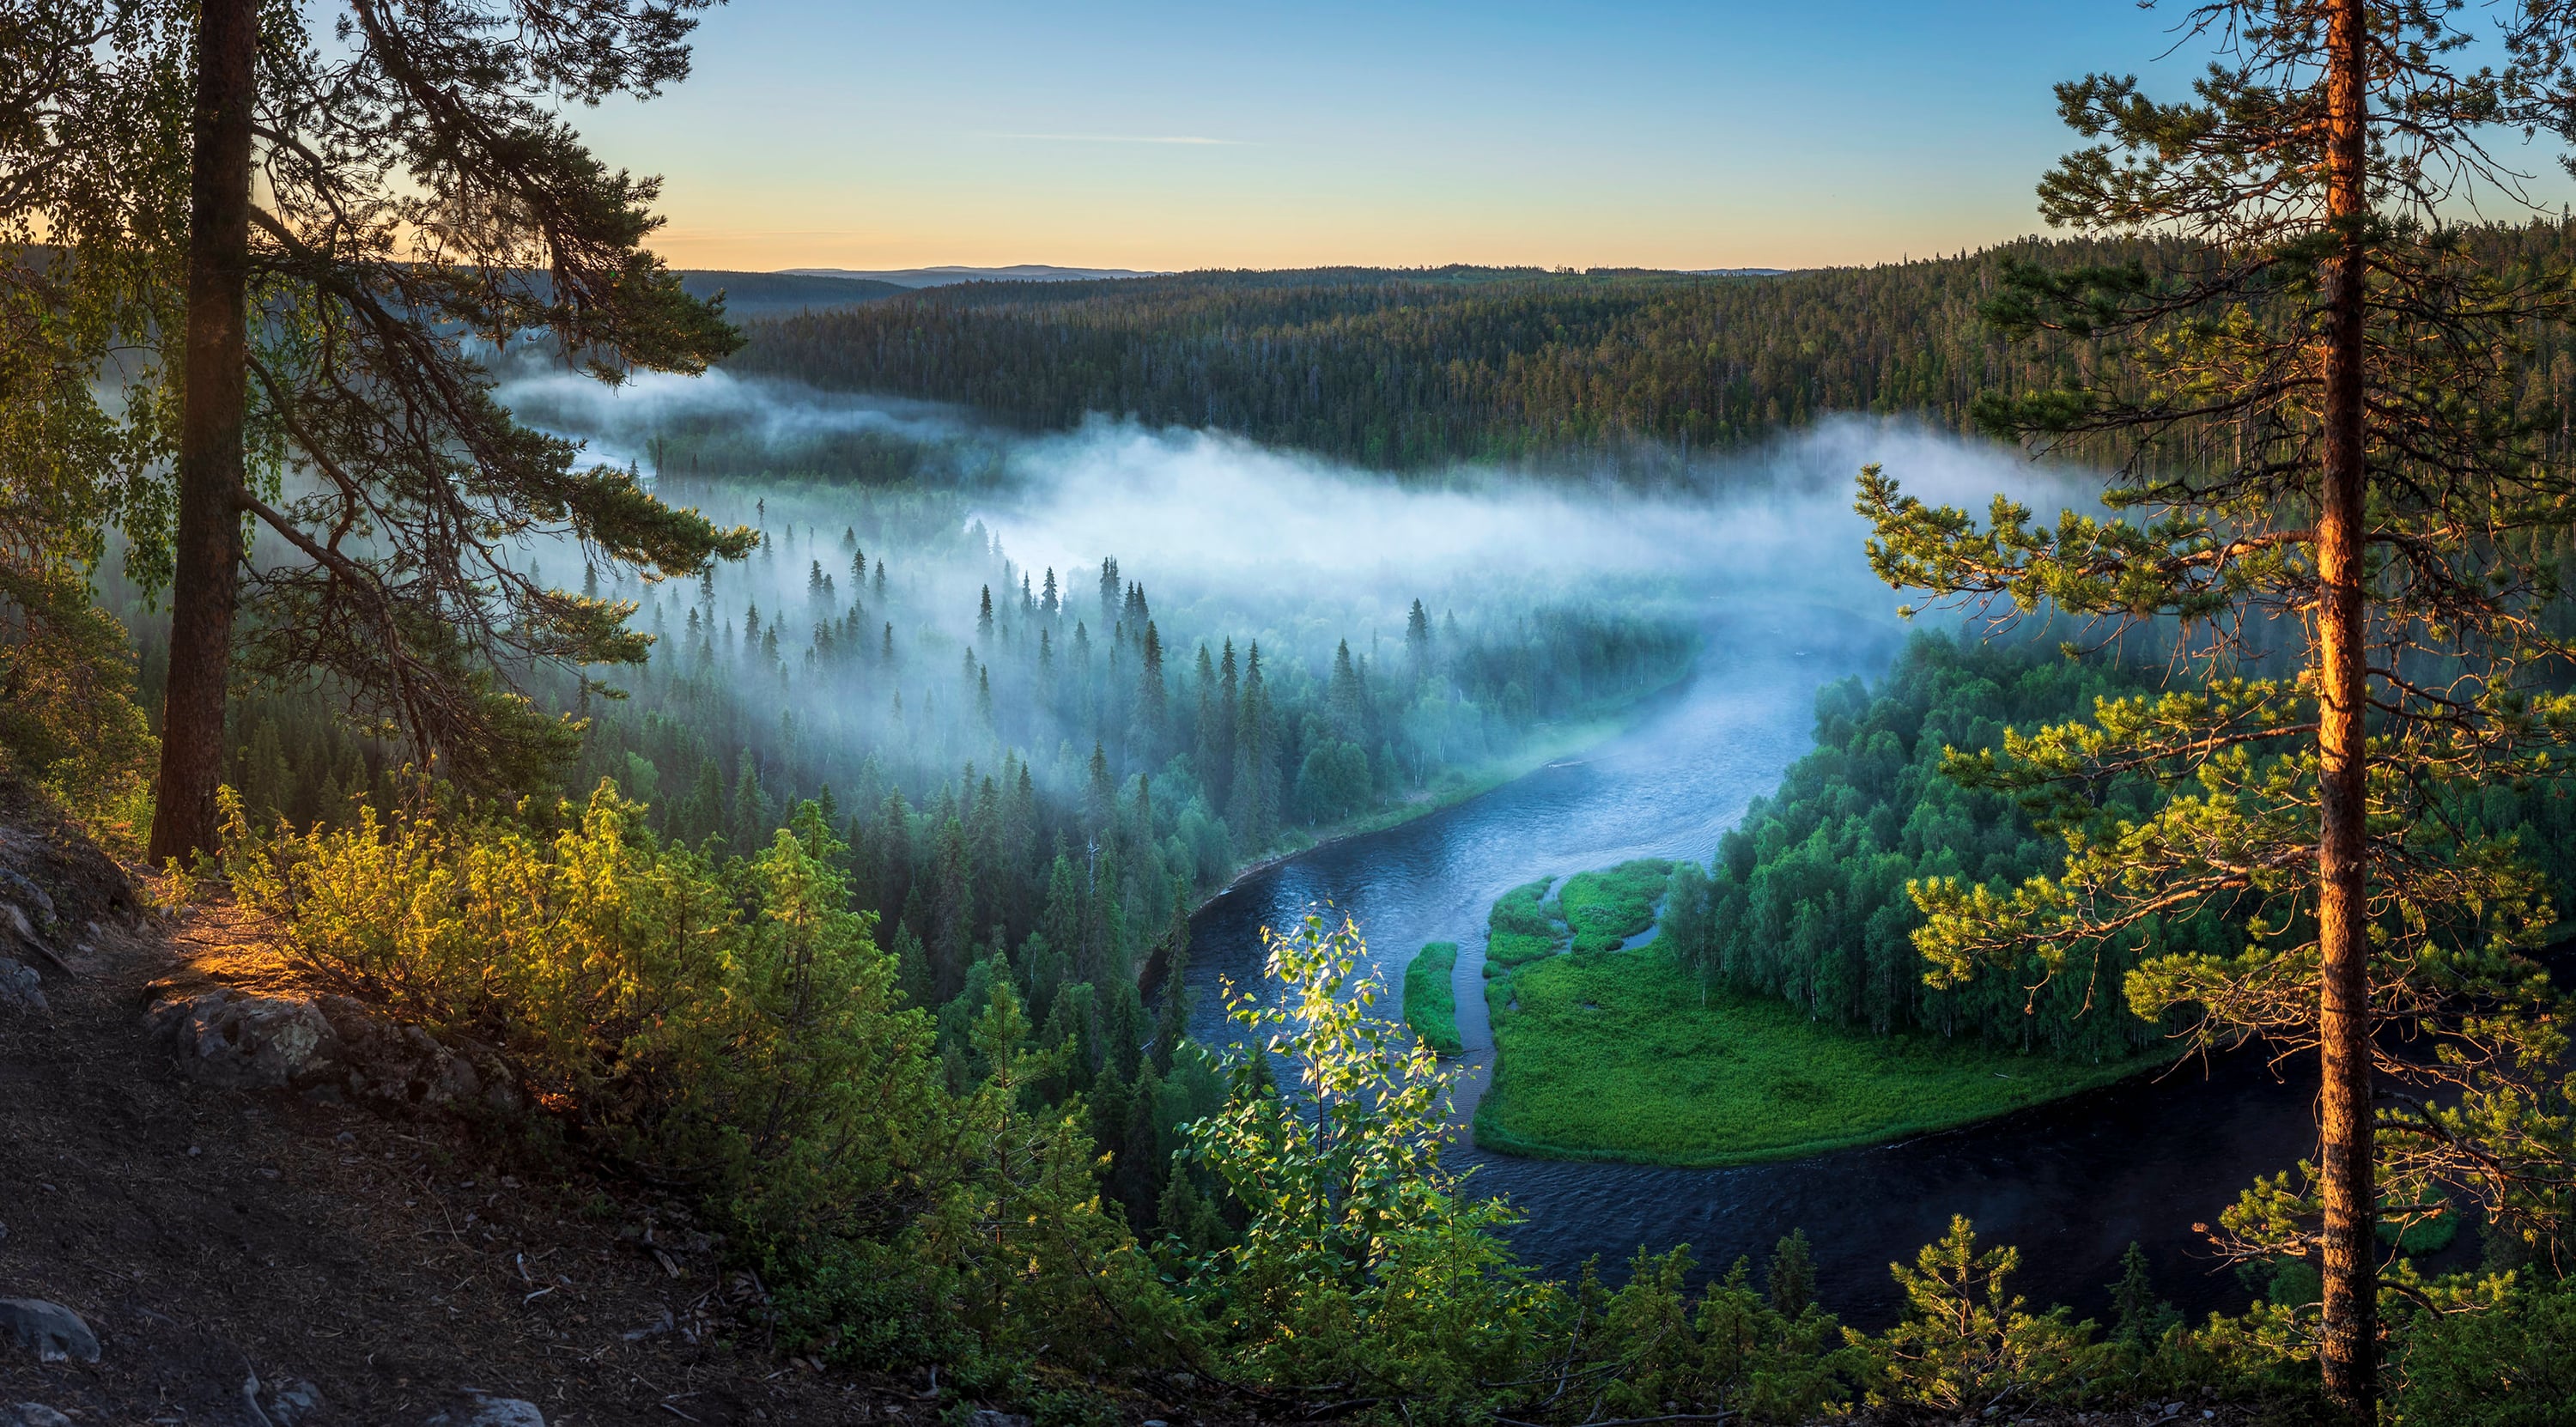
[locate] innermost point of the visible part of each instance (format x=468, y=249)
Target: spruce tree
x=1060, y=921
x=1345, y=699
x=1228, y=699
x=1172, y=1018
x=1100, y=796
x=1253, y=806
x=1150, y=735
x=952, y=909
x=1790, y=1281
x=1203, y=750
x=1417, y=645
x=1138, y=1169
x=912, y=968
x=2306, y=394
x=2138, y=1318
x=1189, y=1224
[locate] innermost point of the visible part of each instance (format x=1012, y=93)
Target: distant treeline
x=1403, y=368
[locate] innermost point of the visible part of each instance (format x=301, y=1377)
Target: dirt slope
x=212, y=1237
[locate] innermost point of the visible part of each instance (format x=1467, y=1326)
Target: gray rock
x=21, y=889
x=56, y=1333
x=329, y=1047
x=473, y=1407
x=382, y=1060
x=33, y=1414
x=19, y=988
x=989, y=1417
x=293, y=1400
x=243, y=1042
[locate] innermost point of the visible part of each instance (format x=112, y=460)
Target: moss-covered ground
x=1617, y=1055
x=1430, y=1005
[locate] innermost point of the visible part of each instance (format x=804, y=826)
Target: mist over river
x=1764, y=554
x=2071, y=1184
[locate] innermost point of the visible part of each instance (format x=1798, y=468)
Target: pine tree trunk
x=213, y=394
x=2350, y=1343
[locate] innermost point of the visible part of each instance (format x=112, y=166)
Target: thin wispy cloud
x=1123, y=139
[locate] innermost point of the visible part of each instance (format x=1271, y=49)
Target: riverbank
x=1461, y=785
x=1456, y=787
x=1622, y=1056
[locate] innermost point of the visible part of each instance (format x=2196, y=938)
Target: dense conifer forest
x=1027, y=778
x=808, y=860
x=1421, y=367
x=1806, y=899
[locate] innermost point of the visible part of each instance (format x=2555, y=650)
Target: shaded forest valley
x=901, y=838
x=1312, y=846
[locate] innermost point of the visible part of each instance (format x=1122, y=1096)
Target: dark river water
x=2072, y=1184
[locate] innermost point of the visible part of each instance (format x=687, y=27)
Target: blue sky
x=1721, y=134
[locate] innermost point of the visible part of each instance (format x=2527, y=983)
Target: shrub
x=737, y=1027
x=2511, y=1365
x=1964, y=1339
x=1362, y=1269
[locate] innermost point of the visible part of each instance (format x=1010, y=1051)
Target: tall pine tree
x=2308, y=403
x=415, y=192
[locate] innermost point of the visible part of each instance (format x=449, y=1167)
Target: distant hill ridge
x=944, y=276
x=771, y=294
x=1413, y=367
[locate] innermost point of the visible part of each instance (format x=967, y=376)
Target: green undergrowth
x=1430, y=1004
x=1617, y=1056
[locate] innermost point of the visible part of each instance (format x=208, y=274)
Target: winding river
x=2072, y=1183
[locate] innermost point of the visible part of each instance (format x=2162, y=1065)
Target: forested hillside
x=1407, y=368
x=1028, y=777
x=1806, y=899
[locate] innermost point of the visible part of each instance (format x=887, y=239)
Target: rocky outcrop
x=475, y=1408
x=56, y=887
x=55, y=1334
x=291, y=1402
x=56, y=890
x=330, y=1047
x=20, y=988
x=241, y=1041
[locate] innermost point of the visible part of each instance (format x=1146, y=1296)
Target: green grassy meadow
x=1613, y=1055
x=1430, y=1006
x=1521, y=928
x=1602, y=909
